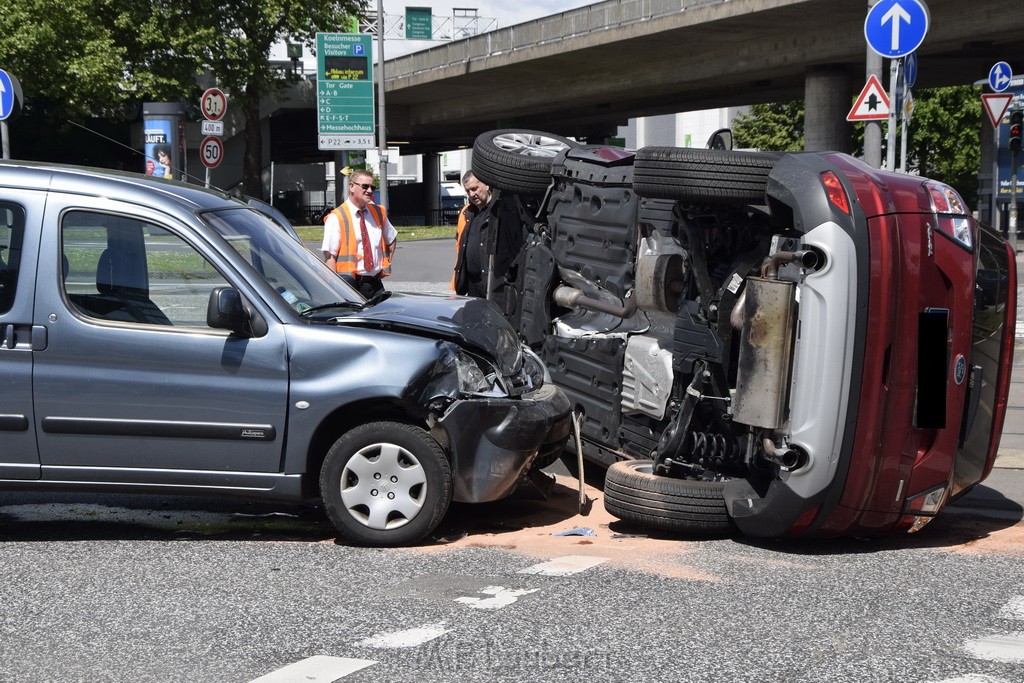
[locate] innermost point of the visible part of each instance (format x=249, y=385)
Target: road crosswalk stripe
x=411, y=637
x=1014, y=609
x=317, y=669
x=564, y=566
x=1002, y=648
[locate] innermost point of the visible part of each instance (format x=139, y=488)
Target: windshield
x=297, y=275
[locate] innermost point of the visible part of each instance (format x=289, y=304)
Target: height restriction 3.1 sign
x=344, y=91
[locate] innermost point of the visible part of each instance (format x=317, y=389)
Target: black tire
x=633, y=493
x=702, y=175
x=396, y=468
x=517, y=160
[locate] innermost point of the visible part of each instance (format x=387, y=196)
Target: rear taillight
x=923, y=506
x=951, y=215
x=834, y=190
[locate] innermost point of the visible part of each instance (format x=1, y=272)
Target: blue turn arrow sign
x=6, y=95
x=895, y=28
x=999, y=76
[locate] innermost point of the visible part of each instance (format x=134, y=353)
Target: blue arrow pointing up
x=895, y=28
x=895, y=15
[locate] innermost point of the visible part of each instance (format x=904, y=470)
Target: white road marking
x=318, y=669
x=1013, y=609
x=1005, y=648
x=973, y=678
x=500, y=597
x=410, y=637
x=564, y=566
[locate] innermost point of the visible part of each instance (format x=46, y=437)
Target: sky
x=506, y=12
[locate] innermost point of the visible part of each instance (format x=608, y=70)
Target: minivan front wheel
x=386, y=484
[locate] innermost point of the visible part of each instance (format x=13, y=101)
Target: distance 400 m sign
x=345, y=111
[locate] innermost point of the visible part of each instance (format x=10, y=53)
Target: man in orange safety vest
x=359, y=240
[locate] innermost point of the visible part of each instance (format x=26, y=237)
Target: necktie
x=367, y=249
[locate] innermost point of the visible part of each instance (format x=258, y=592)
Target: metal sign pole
x=382, y=138
x=1013, y=206
x=995, y=219
x=7, y=142
x=904, y=118
x=890, y=149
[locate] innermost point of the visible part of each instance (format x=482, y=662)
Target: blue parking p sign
x=895, y=28
x=6, y=95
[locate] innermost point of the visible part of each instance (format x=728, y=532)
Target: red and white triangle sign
x=996, y=104
x=872, y=103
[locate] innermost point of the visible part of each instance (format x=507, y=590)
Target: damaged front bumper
x=494, y=441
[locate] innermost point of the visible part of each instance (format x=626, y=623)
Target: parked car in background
x=158, y=337
x=786, y=344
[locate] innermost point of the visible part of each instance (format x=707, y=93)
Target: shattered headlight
x=477, y=378
x=535, y=369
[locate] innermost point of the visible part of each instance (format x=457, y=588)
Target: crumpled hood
x=475, y=323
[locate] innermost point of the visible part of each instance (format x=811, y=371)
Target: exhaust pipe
x=570, y=297
x=805, y=258
x=784, y=456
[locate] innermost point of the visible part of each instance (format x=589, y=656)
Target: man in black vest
x=488, y=239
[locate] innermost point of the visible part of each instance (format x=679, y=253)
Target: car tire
x=634, y=494
x=702, y=175
x=386, y=484
x=517, y=160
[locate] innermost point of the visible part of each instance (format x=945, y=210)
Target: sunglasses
x=365, y=186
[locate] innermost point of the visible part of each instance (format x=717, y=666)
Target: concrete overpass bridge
x=583, y=72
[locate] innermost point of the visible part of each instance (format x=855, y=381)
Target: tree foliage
x=95, y=58
x=771, y=127
x=945, y=137
x=944, y=140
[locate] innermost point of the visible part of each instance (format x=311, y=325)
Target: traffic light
x=1016, y=123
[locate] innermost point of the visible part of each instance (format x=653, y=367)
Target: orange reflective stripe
x=347, y=258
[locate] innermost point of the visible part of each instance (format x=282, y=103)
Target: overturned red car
x=788, y=344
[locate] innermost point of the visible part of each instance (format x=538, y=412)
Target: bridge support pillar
x=432, y=187
x=827, y=101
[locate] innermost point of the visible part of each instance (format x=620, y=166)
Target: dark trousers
x=368, y=285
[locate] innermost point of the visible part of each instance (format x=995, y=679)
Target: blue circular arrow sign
x=910, y=69
x=895, y=28
x=999, y=76
x=6, y=95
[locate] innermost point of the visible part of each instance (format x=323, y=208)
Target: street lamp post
x=382, y=138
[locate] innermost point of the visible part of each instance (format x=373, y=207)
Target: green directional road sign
x=419, y=23
x=344, y=100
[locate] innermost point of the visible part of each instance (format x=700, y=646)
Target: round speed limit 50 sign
x=211, y=152
x=214, y=104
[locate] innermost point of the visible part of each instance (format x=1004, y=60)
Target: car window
x=130, y=270
x=298, y=277
x=12, y=233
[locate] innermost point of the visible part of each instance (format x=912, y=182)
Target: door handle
x=11, y=334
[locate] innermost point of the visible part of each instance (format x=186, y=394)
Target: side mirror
x=720, y=139
x=224, y=311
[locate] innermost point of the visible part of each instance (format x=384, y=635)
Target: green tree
x=87, y=58
x=771, y=127
x=945, y=137
x=944, y=140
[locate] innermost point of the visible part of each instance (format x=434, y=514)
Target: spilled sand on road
x=528, y=526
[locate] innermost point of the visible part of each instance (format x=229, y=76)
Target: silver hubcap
x=383, y=486
x=529, y=145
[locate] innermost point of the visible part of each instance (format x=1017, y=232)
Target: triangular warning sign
x=996, y=105
x=871, y=104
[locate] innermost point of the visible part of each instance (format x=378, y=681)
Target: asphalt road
x=159, y=588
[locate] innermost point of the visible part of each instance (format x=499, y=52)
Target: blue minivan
x=156, y=336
